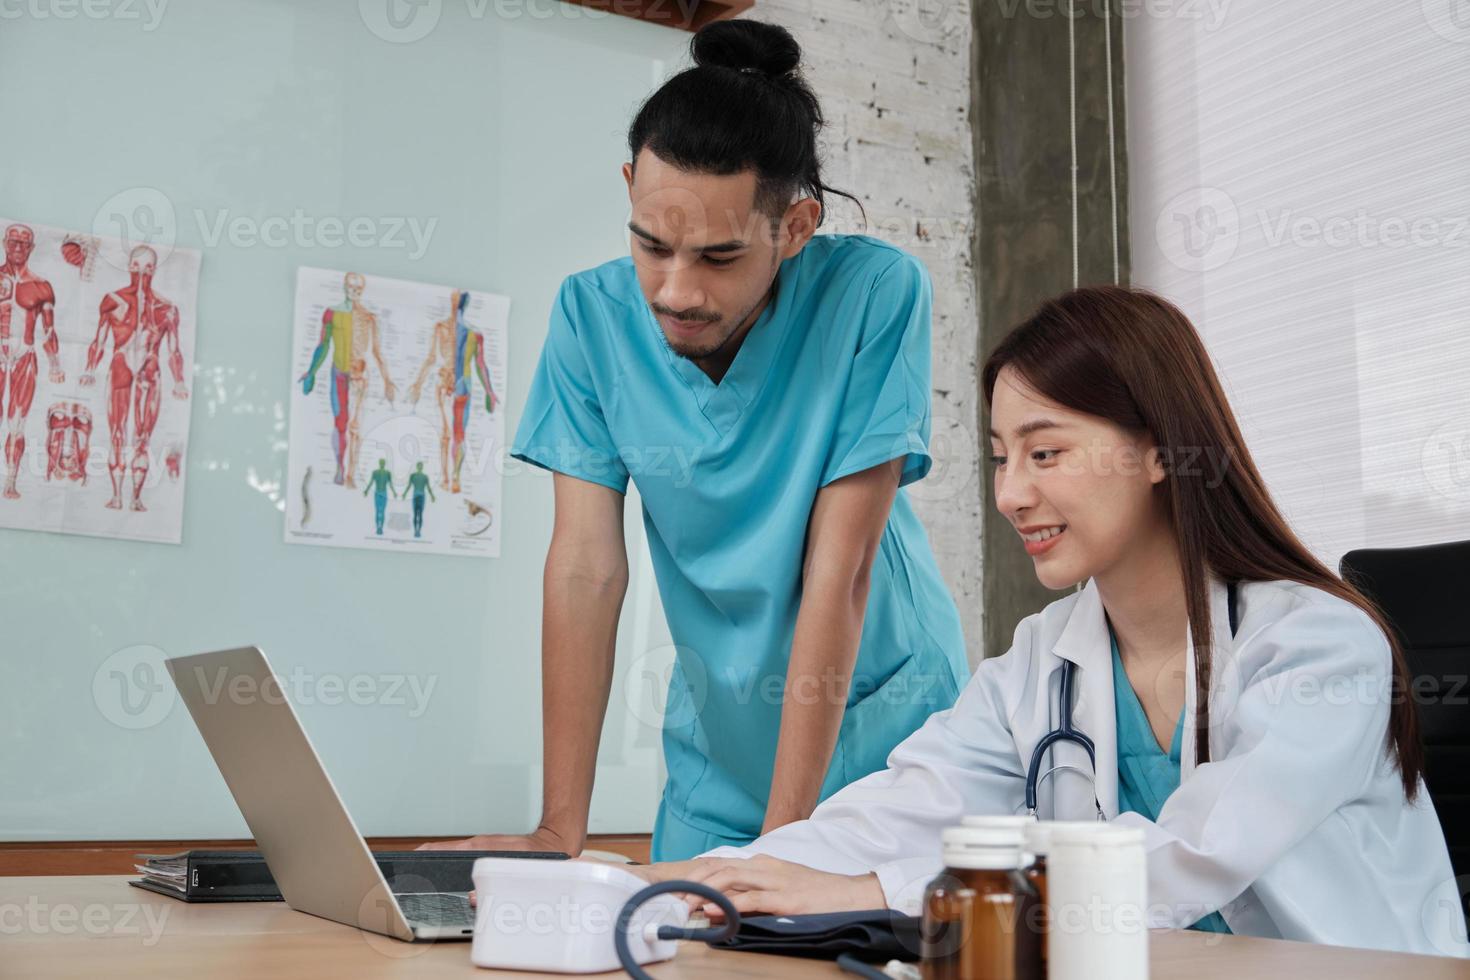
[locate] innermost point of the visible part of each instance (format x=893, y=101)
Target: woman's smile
x=1041, y=538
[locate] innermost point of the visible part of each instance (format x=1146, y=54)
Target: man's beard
x=700, y=351
x=707, y=349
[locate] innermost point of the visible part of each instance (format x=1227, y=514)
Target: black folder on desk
x=242, y=876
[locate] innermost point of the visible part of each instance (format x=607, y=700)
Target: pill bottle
x=980, y=914
x=1097, y=894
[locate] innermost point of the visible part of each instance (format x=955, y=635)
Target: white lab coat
x=1298, y=828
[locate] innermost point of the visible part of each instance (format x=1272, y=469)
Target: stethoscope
x=1067, y=732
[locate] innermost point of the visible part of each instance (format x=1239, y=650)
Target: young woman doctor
x=1275, y=770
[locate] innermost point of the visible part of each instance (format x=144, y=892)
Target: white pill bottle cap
x=1039, y=833
x=979, y=832
x=983, y=848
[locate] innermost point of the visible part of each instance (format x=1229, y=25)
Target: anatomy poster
x=96, y=345
x=397, y=415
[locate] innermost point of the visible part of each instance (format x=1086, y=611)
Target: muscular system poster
x=397, y=417
x=96, y=351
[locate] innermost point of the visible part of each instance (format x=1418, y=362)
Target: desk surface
x=98, y=926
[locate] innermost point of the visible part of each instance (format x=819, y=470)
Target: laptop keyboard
x=443, y=909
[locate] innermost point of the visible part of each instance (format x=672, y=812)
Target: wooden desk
x=96, y=926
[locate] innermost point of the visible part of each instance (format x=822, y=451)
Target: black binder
x=242, y=876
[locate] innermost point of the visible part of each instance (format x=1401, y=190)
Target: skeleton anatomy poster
x=96, y=341
x=397, y=417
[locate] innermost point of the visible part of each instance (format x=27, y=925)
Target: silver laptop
x=314, y=850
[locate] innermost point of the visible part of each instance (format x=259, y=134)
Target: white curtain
x=1299, y=183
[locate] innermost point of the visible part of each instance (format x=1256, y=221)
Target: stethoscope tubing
x=1067, y=732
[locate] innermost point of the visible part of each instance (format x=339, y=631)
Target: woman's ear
x=1154, y=464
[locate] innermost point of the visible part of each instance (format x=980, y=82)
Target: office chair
x=1425, y=593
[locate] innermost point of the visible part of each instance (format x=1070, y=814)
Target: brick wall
x=894, y=79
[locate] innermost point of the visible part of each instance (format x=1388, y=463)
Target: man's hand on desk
x=763, y=884
x=540, y=839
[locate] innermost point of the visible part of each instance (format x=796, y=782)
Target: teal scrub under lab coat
x=832, y=379
x=1146, y=776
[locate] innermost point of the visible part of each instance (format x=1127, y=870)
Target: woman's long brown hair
x=1134, y=359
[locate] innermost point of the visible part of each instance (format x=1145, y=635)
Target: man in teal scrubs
x=768, y=392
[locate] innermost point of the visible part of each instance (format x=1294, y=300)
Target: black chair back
x=1425, y=593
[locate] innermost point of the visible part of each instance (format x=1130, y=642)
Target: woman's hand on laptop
x=540, y=839
x=669, y=870
x=770, y=885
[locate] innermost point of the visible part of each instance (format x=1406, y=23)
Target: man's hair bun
x=743, y=105
x=749, y=45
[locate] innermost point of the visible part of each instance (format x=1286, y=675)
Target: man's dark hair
x=743, y=106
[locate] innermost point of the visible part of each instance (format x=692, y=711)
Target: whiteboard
x=259, y=132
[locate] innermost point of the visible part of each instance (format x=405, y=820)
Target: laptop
x=314, y=851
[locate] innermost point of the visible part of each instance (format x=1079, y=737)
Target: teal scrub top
x=1146, y=776
x=832, y=379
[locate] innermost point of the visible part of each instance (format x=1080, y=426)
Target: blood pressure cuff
x=875, y=936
